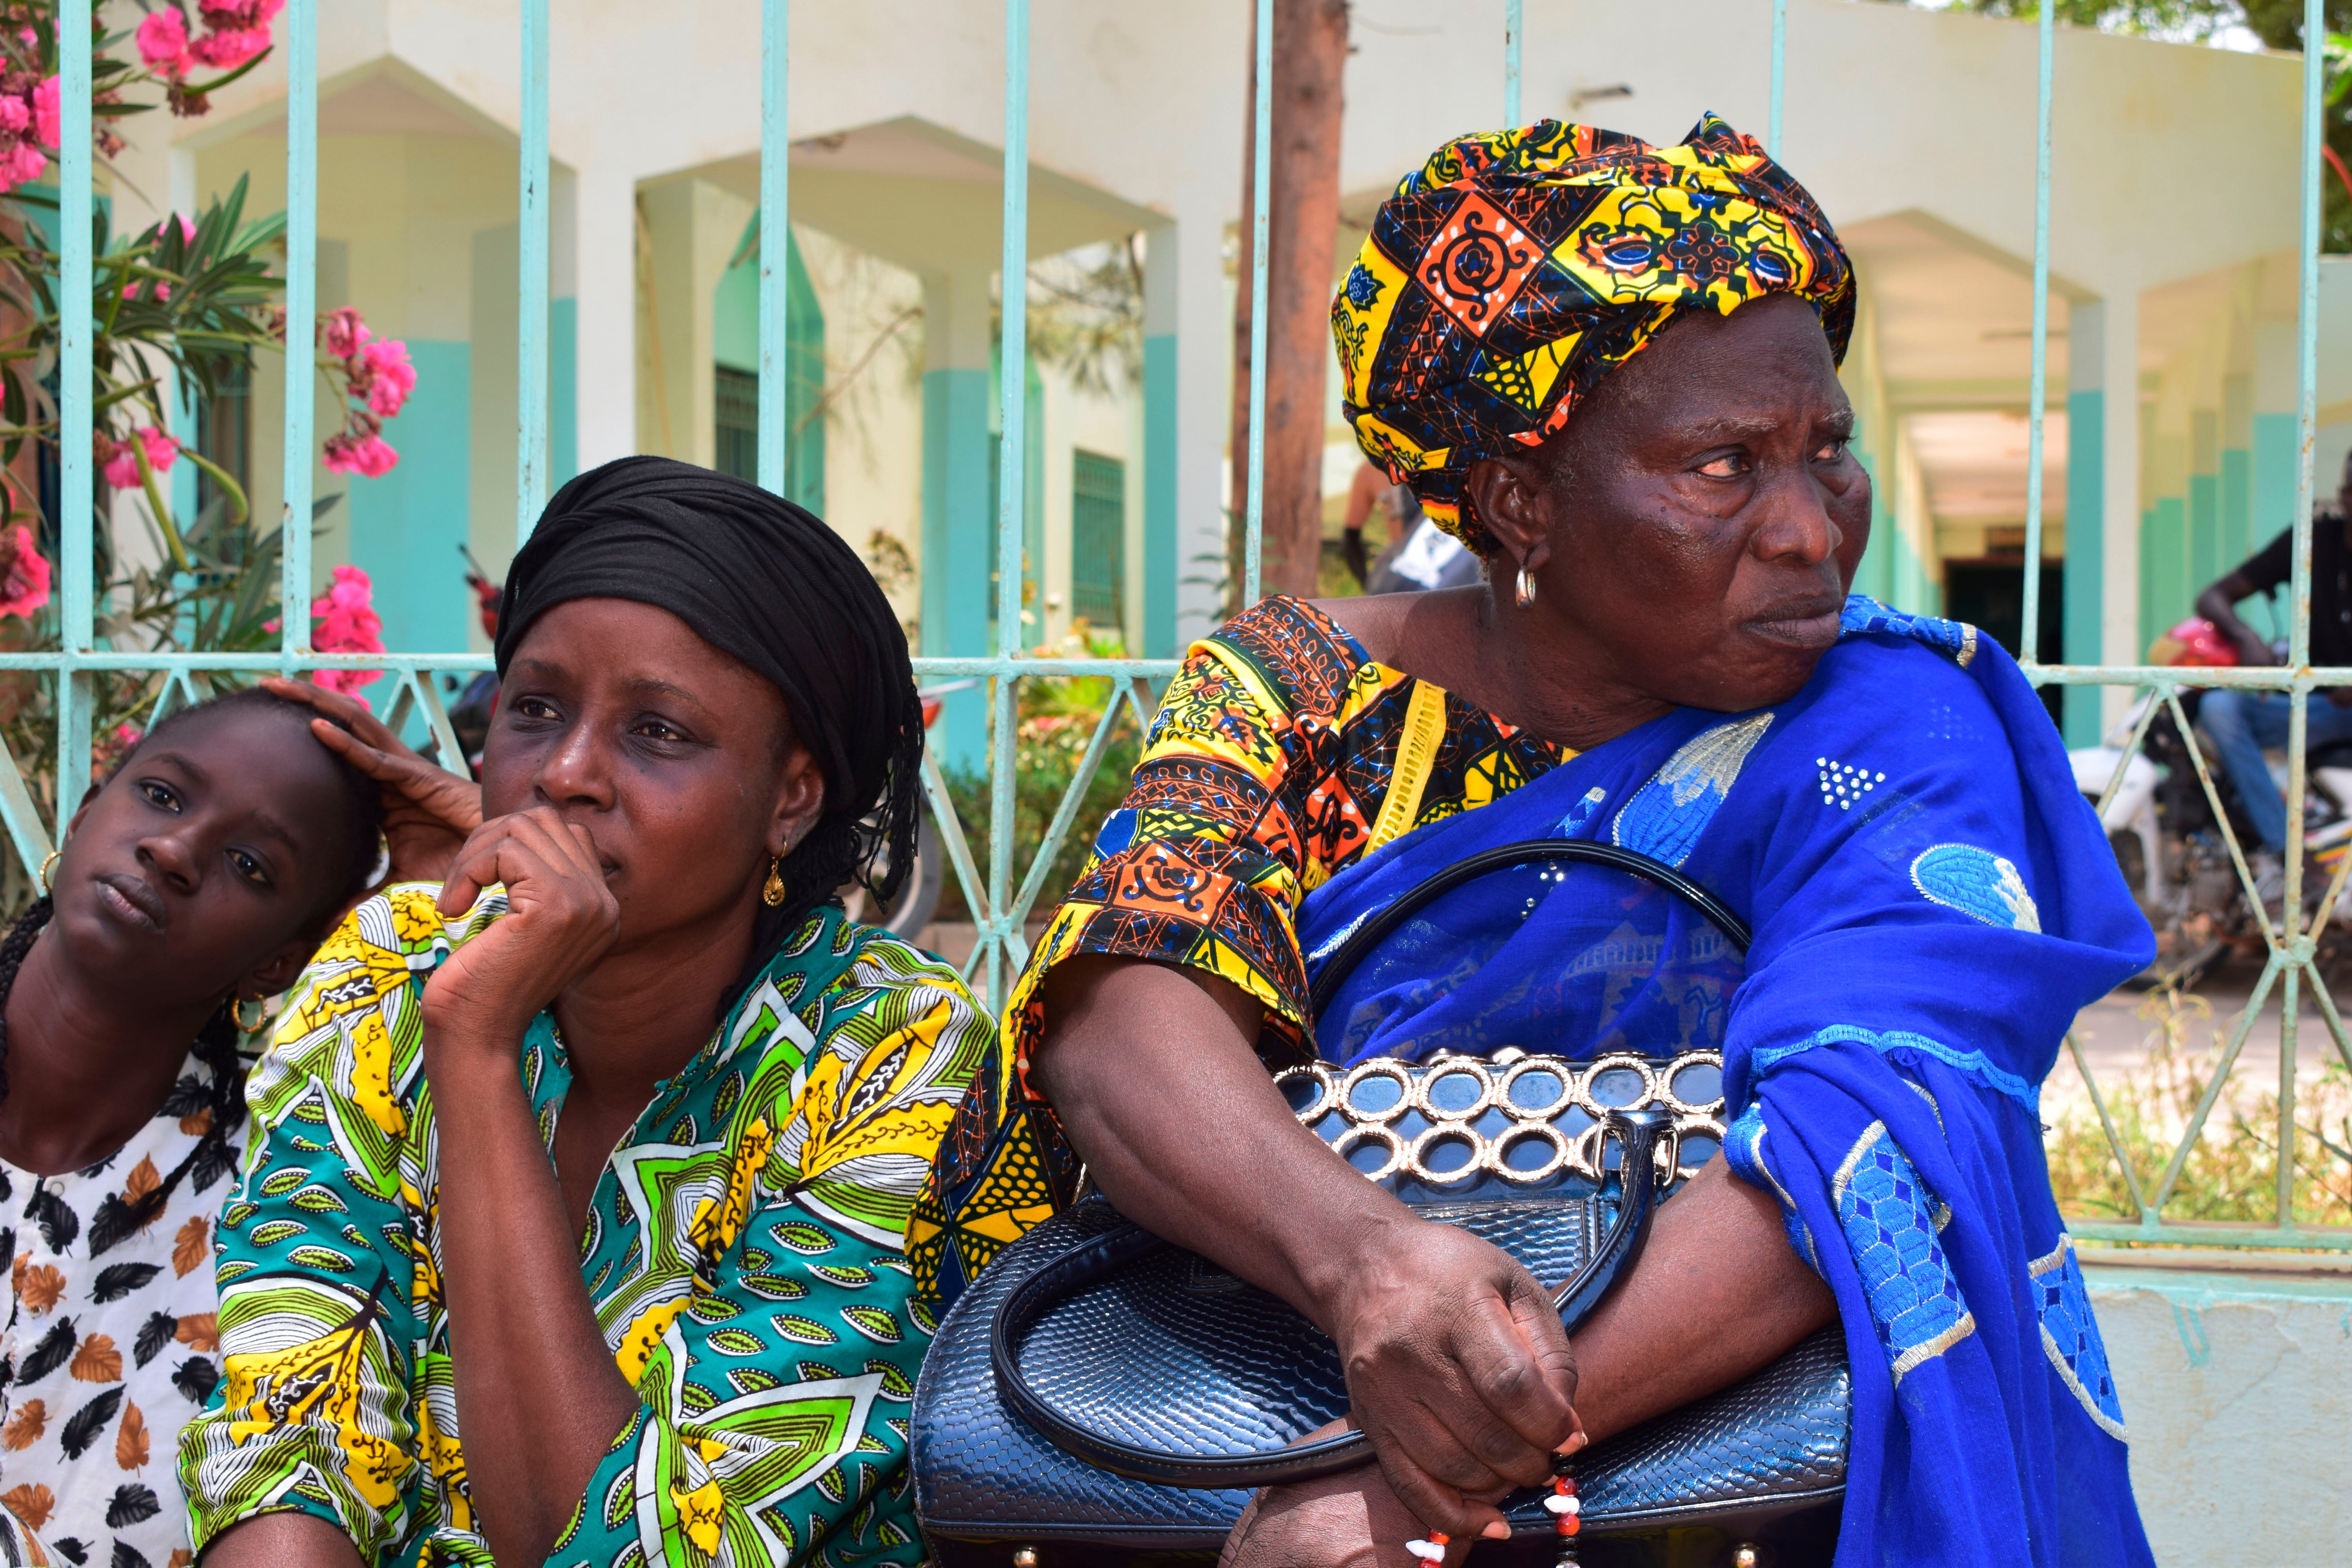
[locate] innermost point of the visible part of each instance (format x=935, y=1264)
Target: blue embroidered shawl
x=1932, y=902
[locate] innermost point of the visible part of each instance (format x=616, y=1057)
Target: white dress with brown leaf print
x=110, y=1344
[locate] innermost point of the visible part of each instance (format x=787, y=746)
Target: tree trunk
x=1310, y=55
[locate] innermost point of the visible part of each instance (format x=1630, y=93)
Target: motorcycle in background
x=2169, y=844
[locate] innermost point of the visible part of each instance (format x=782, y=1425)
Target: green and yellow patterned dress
x=744, y=1252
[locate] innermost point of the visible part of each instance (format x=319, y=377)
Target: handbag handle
x=1636, y=1134
x=1375, y=930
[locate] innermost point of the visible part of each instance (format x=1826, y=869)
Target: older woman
x=1611, y=370
x=573, y=1214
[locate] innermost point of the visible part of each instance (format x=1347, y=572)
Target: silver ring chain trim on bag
x=1495, y=1077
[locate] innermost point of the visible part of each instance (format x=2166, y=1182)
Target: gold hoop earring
x=54, y=855
x=772, y=894
x=236, y=1014
x=1527, y=593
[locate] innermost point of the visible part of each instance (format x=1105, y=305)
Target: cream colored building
x=2170, y=451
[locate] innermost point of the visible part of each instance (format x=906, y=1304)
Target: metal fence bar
x=2306, y=414
x=1514, y=34
x=76, y=418
x=775, y=241
x=530, y=316
x=301, y=315
x=996, y=908
x=2029, y=639
x=1261, y=165
x=1012, y=375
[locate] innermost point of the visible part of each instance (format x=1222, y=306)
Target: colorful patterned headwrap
x=1516, y=268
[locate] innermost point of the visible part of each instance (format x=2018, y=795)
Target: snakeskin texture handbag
x=1099, y=1395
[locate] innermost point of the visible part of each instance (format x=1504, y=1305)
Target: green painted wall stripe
x=1160, y=566
x=564, y=405
x=2273, y=476
x=2169, y=589
x=2237, y=506
x=2204, y=502
x=406, y=526
x=2087, y=555
x=956, y=535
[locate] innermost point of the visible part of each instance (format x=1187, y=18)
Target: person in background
x=2240, y=723
x=199, y=876
x=1368, y=491
x=1420, y=554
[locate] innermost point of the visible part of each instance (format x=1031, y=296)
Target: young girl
x=201, y=875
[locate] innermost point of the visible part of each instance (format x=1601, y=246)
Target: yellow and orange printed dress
x=744, y=1252
x=1267, y=769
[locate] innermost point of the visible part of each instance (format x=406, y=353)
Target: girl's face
x=209, y=860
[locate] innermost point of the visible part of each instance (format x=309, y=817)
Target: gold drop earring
x=773, y=893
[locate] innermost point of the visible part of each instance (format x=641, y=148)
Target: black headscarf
x=768, y=582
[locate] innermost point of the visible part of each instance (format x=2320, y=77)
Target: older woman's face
x=678, y=760
x=1700, y=519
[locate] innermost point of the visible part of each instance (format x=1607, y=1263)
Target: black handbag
x=1100, y=1395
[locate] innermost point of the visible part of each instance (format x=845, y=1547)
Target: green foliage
x=166, y=306
x=1057, y=719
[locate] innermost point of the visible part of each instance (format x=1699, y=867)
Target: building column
x=2237, y=470
x=692, y=228
x=957, y=529
x=1158, y=564
x=2271, y=434
x=604, y=378
x=1204, y=372
x=2115, y=363
x=2085, y=535
x=2205, y=563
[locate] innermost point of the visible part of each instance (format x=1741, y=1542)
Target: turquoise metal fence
x=1000, y=906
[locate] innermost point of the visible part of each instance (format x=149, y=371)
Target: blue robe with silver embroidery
x=1932, y=902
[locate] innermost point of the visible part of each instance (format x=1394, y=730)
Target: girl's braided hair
x=222, y=1099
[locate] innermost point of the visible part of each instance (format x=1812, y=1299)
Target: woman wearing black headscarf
x=602, y=1150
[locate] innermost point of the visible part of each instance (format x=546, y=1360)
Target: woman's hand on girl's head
x=560, y=919
x=428, y=810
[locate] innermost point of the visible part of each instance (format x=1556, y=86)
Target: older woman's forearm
x=1152, y=1072
x=1717, y=1295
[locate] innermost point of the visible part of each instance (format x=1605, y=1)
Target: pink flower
x=342, y=332
x=25, y=585
x=346, y=622
x=227, y=51
x=383, y=376
x=49, y=113
x=21, y=163
x=241, y=14
x=164, y=43
x=370, y=455
x=126, y=736
x=123, y=463
x=16, y=116
x=347, y=682
x=188, y=228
